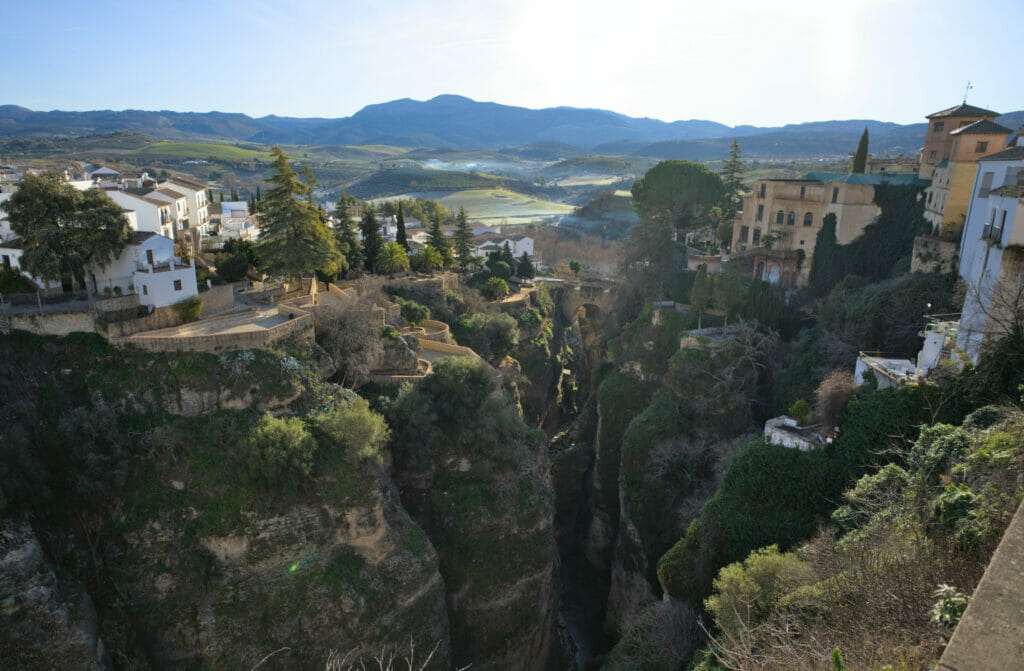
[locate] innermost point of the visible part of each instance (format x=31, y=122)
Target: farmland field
x=498, y=206
x=201, y=150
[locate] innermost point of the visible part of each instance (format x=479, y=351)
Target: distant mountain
x=456, y=122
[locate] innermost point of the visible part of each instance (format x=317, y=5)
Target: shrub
x=279, y=453
x=800, y=411
x=13, y=282
x=494, y=289
x=501, y=269
x=412, y=312
x=352, y=427
x=188, y=310
x=490, y=336
x=231, y=267
x=833, y=394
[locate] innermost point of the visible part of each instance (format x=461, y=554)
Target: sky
x=765, y=63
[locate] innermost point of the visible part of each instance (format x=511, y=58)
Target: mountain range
x=456, y=122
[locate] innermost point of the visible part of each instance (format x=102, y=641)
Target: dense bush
x=188, y=310
x=352, y=428
x=231, y=267
x=412, y=312
x=279, y=453
x=490, y=336
x=494, y=289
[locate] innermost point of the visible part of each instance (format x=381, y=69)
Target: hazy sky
x=765, y=63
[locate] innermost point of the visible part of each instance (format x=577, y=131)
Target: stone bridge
x=571, y=296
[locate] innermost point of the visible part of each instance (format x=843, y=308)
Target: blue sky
x=765, y=63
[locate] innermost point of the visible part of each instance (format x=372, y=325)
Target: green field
x=201, y=150
x=498, y=206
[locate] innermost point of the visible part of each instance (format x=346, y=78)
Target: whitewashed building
x=992, y=249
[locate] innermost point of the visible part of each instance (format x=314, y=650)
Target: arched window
x=791, y=219
x=808, y=219
x=779, y=216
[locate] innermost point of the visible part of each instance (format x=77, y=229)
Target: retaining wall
x=300, y=328
x=57, y=323
x=217, y=299
x=934, y=255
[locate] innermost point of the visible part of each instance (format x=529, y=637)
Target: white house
x=147, y=266
x=235, y=221
x=195, y=193
x=490, y=242
x=991, y=255
x=152, y=215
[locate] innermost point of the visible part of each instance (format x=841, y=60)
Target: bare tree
x=350, y=332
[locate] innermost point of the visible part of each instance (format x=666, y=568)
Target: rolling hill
x=459, y=123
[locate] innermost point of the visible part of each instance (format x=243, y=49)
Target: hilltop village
x=780, y=428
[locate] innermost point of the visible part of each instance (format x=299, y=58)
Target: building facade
x=938, y=140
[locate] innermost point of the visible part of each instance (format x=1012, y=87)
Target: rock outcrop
x=47, y=622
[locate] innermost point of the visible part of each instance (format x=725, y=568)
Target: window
x=757, y=237
x=981, y=147
x=986, y=184
x=808, y=219
x=835, y=194
x=177, y=285
x=760, y=212
x=933, y=153
x=145, y=290
x=791, y=219
x=7, y=261
x=930, y=194
x=997, y=234
x=763, y=187
x=803, y=191
x=939, y=126
x=779, y=216
x=801, y=243
x=149, y=256
x=744, y=233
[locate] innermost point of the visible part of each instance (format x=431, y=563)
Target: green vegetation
x=64, y=230
x=410, y=179
x=188, y=310
x=279, y=453
x=208, y=151
x=495, y=205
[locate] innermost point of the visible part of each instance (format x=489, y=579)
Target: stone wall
x=217, y=299
x=300, y=328
x=160, y=318
x=115, y=303
x=933, y=255
x=435, y=331
x=57, y=324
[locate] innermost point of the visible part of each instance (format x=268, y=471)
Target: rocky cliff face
x=313, y=578
x=47, y=622
x=477, y=482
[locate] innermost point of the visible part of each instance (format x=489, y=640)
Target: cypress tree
x=701, y=293
x=825, y=266
x=234, y=194
x=373, y=241
x=860, y=159
x=463, y=239
x=732, y=179
x=525, y=268
x=400, y=236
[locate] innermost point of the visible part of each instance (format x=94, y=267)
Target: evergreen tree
x=234, y=195
x=373, y=241
x=392, y=259
x=506, y=255
x=701, y=293
x=525, y=268
x=400, y=236
x=311, y=182
x=438, y=240
x=222, y=196
x=209, y=196
x=825, y=265
x=729, y=292
x=346, y=237
x=732, y=180
x=860, y=159
x=259, y=195
x=293, y=239
x=463, y=239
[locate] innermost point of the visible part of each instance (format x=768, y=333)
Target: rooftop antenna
x=966, y=89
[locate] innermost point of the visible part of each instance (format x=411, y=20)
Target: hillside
x=456, y=122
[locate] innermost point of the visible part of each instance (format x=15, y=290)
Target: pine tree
x=463, y=239
x=438, y=240
x=373, y=241
x=525, y=267
x=400, y=236
x=234, y=195
x=506, y=255
x=346, y=236
x=860, y=159
x=293, y=239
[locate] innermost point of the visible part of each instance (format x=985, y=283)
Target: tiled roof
x=982, y=127
x=187, y=183
x=1010, y=191
x=13, y=243
x=869, y=178
x=1011, y=154
x=963, y=109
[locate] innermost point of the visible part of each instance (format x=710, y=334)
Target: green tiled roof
x=869, y=179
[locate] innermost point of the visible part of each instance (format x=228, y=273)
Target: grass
x=501, y=206
x=201, y=150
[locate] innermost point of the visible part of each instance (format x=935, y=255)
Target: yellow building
x=947, y=198
x=939, y=137
x=779, y=221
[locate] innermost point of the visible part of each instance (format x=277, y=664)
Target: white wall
x=157, y=288
x=147, y=215
x=120, y=272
